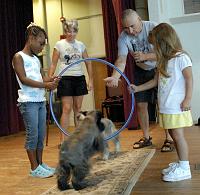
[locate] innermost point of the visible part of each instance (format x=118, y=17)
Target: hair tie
x=31, y=25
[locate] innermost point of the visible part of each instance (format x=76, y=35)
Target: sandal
x=143, y=142
x=167, y=146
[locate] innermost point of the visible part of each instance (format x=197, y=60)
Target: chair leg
x=108, y=111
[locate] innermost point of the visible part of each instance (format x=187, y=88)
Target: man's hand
x=139, y=56
x=111, y=81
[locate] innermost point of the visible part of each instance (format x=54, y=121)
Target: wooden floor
x=14, y=165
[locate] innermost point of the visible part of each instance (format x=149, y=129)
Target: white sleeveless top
x=32, y=68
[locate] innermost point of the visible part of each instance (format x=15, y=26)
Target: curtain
x=15, y=15
x=112, y=12
x=117, y=4
x=110, y=34
x=110, y=30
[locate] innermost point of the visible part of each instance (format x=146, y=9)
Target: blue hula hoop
x=112, y=66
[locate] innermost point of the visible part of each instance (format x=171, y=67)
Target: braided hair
x=35, y=30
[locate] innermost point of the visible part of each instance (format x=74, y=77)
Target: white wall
x=188, y=29
x=90, y=30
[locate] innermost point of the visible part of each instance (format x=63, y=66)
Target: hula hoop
x=112, y=66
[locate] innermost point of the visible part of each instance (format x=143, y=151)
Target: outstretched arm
x=113, y=80
x=148, y=85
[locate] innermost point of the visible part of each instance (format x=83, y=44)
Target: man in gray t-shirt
x=133, y=44
x=134, y=40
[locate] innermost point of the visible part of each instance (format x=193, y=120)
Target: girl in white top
x=72, y=86
x=175, y=83
x=32, y=101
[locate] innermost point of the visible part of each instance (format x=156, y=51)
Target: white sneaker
x=168, y=169
x=41, y=172
x=178, y=174
x=51, y=169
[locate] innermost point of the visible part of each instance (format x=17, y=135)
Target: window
x=191, y=6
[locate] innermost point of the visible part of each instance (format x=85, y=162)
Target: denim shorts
x=34, y=117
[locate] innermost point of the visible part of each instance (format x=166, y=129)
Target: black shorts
x=143, y=76
x=72, y=86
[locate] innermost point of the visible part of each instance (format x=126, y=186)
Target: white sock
x=184, y=164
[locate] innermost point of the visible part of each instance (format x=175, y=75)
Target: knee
x=178, y=138
x=142, y=107
x=76, y=109
x=66, y=109
x=77, y=106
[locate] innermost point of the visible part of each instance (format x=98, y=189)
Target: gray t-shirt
x=130, y=43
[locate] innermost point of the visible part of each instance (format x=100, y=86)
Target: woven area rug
x=117, y=175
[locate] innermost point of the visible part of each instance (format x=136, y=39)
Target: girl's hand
x=90, y=86
x=56, y=79
x=185, y=105
x=52, y=84
x=133, y=88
